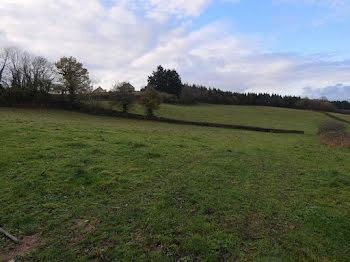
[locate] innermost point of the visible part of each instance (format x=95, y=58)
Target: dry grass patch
x=337, y=140
x=334, y=133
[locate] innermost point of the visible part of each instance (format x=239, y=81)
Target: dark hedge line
x=336, y=118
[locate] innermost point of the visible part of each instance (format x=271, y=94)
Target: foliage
x=73, y=76
x=151, y=100
x=59, y=88
x=125, y=190
x=315, y=104
x=165, y=80
x=123, y=95
x=33, y=78
x=192, y=94
x=169, y=98
x=345, y=105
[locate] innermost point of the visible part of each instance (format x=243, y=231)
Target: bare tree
x=4, y=59
x=30, y=73
x=17, y=60
x=39, y=74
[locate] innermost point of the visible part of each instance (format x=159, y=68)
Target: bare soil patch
x=27, y=244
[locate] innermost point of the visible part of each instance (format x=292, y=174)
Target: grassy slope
x=260, y=116
x=161, y=192
x=342, y=116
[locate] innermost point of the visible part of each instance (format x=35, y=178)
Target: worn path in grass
x=125, y=190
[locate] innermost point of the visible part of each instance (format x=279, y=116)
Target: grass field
x=342, y=116
x=126, y=190
x=260, y=116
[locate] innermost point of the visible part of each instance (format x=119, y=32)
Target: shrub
x=168, y=98
x=330, y=126
x=151, y=100
x=91, y=103
x=123, y=95
x=334, y=133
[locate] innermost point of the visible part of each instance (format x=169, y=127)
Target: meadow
x=342, y=116
x=108, y=189
x=260, y=116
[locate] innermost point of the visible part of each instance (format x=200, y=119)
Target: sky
x=289, y=47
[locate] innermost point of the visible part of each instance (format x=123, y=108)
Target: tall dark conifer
x=165, y=80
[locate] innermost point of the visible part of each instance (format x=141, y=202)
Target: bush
x=330, y=126
x=334, y=133
x=168, y=98
x=123, y=95
x=151, y=100
x=91, y=102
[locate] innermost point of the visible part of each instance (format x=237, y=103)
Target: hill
x=260, y=116
x=109, y=189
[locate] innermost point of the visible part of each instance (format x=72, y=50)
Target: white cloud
x=125, y=43
x=336, y=92
x=332, y=10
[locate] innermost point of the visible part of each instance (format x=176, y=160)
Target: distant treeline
x=193, y=94
x=29, y=79
x=168, y=82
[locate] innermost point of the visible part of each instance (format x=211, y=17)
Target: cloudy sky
x=296, y=47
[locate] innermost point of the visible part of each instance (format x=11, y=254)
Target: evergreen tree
x=165, y=80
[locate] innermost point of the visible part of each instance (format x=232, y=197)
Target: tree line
x=26, y=78
x=168, y=82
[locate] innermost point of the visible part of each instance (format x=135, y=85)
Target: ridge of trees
x=26, y=78
x=192, y=94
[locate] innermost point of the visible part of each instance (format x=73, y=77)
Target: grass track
x=131, y=190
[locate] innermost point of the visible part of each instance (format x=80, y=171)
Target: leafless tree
x=30, y=73
x=4, y=59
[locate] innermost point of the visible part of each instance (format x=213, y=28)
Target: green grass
x=260, y=116
x=125, y=190
x=342, y=116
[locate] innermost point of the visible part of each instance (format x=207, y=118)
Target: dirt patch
x=27, y=244
x=84, y=226
x=79, y=229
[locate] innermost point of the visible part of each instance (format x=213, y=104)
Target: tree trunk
x=125, y=108
x=150, y=112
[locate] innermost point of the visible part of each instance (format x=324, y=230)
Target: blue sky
x=286, y=27
x=298, y=47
